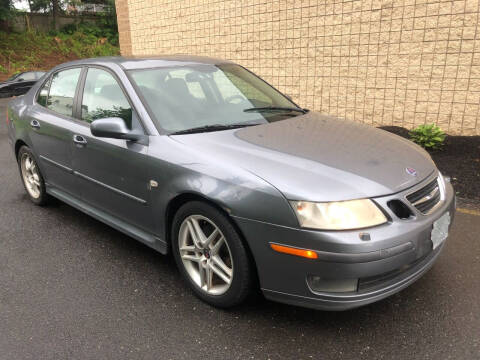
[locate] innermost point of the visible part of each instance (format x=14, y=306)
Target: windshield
x=186, y=97
x=13, y=77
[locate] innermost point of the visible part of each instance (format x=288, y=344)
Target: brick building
x=395, y=62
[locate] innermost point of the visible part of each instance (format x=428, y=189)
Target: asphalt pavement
x=74, y=288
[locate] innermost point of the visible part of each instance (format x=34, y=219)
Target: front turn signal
x=310, y=254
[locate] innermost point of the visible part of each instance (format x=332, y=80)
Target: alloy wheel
x=30, y=175
x=205, y=254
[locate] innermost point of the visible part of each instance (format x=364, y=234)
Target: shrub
x=428, y=136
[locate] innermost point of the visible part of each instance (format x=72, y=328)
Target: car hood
x=318, y=158
x=4, y=83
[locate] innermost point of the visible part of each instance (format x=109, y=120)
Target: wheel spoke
x=28, y=164
x=218, y=261
x=201, y=272
x=217, y=246
x=220, y=274
x=198, y=231
x=212, y=237
x=194, y=258
x=193, y=234
x=36, y=180
x=190, y=248
x=209, y=277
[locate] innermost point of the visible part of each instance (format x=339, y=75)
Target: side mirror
x=20, y=79
x=114, y=128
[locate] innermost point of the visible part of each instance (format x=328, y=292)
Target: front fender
x=179, y=170
x=18, y=129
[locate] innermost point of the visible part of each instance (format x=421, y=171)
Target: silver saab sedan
x=201, y=158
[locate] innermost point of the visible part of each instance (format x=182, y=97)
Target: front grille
x=426, y=198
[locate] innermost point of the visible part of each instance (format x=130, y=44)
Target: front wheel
x=211, y=255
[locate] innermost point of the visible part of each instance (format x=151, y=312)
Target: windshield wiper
x=215, y=127
x=276, y=108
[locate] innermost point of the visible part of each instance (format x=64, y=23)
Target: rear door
x=112, y=174
x=49, y=121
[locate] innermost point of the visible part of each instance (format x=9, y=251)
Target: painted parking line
x=469, y=211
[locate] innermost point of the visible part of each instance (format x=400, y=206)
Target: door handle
x=79, y=139
x=35, y=124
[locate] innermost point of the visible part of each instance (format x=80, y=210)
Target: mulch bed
x=459, y=158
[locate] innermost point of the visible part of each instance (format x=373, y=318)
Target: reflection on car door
x=49, y=121
x=112, y=173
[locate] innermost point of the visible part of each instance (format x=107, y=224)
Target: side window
x=62, y=91
x=43, y=93
x=103, y=97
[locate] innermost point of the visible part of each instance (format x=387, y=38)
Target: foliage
x=35, y=50
x=107, y=20
x=6, y=9
x=429, y=136
x=48, y=5
x=90, y=29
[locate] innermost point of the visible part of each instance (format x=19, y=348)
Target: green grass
x=36, y=50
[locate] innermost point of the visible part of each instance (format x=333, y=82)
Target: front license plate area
x=440, y=230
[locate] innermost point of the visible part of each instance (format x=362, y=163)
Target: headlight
x=339, y=215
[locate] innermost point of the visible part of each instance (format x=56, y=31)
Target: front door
x=112, y=174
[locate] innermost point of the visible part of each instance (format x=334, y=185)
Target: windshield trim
x=155, y=121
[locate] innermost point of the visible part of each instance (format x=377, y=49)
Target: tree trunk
x=55, y=11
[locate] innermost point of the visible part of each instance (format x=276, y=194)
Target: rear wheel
x=211, y=255
x=31, y=176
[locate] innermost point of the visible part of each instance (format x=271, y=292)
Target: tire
x=231, y=251
x=36, y=192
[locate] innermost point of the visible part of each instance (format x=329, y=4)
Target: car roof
x=133, y=62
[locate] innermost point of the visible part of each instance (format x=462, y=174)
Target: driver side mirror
x=20, y=79
x=114, y=128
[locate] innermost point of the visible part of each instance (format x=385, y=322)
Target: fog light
x=319, y=284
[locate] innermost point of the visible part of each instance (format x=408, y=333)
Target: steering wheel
x=233, y=97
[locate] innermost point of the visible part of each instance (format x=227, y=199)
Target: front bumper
x=398, y=253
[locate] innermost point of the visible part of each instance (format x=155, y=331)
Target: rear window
x=58, y=92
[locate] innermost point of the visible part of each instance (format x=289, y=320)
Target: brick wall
x=123, y=20
x=397, y=62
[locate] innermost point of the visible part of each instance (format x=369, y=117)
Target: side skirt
x=146, y=238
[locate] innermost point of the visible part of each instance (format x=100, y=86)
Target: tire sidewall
x=241, y=283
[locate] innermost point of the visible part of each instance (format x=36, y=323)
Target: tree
x=55, y=10
x=6, y=11
x=55, y=7
x=52, y=6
